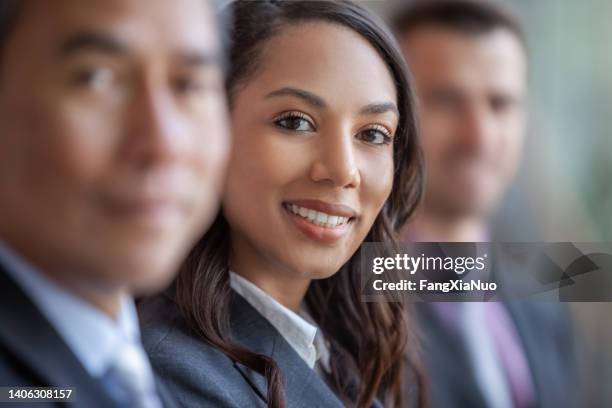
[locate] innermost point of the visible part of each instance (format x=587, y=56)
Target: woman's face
x=312, y=161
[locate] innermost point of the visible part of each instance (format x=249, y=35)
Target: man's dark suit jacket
x=202, y=376
x=32, y=354
x=546, y=336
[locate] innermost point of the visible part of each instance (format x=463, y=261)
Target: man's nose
x=478, y=128
x=155, y=130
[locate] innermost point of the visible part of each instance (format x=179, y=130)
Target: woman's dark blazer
x=201, y=376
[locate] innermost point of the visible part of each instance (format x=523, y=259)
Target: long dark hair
x=368, y=340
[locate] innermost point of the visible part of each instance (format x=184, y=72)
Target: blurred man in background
x=114, y=138
x=469, y=63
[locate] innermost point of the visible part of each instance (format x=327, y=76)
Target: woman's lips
x=320, y=221
x=340, y=210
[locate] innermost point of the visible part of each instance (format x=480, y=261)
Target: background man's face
x=471, y=91
x=113, y=135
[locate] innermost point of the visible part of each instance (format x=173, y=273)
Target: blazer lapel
x=303, y=387
x=255, y=380
x=164, y=394
x=30, y=338
x=302, y=381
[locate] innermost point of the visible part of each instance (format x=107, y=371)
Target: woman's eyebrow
x=306, y=96
x=318, y=102
x=377, y=108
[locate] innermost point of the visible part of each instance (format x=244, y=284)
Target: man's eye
x=294, y=121
x=501, y=104
x=445, y=101
x=94, y=78
x=375, y=136
x=195, y=84
x=186, y=85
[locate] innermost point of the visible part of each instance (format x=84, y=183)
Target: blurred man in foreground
x=114, y=140
x=469, y=62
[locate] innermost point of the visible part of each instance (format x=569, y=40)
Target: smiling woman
x=325, y=157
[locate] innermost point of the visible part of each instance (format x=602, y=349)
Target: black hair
x=9, y=13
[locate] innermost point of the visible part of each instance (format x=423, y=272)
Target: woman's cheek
x=376, y=181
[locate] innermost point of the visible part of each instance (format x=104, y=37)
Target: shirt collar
x=91, y=334
x=303, y=336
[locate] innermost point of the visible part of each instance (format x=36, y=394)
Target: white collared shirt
x=91, y=334
x=298, y=330
x=484, y=357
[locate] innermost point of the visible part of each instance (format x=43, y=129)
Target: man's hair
x=9, y=13
x=473, y=17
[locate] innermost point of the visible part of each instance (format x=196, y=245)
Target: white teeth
x=321, y=217
x=312, y=215
x=318, y=217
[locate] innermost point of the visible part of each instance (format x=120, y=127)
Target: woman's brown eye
x=374, y=136
x=295, y=123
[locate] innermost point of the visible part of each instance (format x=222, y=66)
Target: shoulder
x=195, y=372
x=166, y=333
x=13, y=372
x=549, y=316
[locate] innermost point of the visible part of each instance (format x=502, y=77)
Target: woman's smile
x=321, y=221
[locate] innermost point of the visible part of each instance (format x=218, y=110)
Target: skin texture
x=471, y=90
x=114, y=138
x=336, y=154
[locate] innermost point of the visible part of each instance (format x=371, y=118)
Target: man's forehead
x=177, y=21
x=494, y=56
x=437, y=39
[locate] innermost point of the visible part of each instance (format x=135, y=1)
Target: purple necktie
x=507, y=345
x=512, y=357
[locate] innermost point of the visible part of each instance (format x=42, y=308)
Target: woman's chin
x=316, y=272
